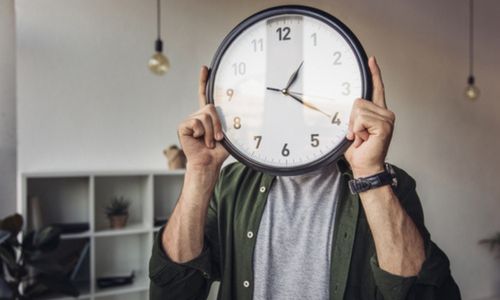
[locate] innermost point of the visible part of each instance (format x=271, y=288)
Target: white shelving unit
x=70, y=197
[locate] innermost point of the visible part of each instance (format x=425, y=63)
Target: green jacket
x=238, y=202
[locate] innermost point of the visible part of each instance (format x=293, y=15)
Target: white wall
x=87, y=101
x=7, y=109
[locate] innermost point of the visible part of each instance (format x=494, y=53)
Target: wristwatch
x=363, y=184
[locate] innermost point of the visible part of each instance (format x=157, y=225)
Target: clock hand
x=276, y=90
x=293, y=77
x=311, y=96
x=298, y=99
x=308, y=104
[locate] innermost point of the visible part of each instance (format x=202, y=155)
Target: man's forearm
x=398, y=242
x=183, y=235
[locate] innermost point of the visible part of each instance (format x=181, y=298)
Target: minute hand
x=308, y=105
x=293, y=77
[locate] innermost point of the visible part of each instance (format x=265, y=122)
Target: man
x=300, y=237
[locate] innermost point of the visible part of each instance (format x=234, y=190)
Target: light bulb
x=471, y=91
x=159, y=64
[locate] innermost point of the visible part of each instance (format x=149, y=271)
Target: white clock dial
x=273, y=118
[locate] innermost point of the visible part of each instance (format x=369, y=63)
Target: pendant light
x=158, y=63
x=471, y=91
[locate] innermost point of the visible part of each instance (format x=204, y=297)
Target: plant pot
x=118, y=221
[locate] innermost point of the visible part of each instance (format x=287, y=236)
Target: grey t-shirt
x=294, y=240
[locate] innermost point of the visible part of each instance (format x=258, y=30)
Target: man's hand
x=199, y=136
x=201, y=132
x=370, y=127
x=398, y=243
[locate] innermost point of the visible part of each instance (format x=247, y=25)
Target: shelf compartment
x=135, y=189
x=57, y=200
x=120, y=255
x=74, y=257
x=167, y=188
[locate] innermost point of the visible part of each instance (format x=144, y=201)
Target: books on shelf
x=68, y=228
x=115, y=280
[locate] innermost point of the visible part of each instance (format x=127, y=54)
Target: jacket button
x=249, y=234
x=246, y=283
x=262, y=189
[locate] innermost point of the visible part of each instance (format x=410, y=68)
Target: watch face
x=283, y=83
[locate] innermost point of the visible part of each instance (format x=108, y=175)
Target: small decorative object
x=471, y=91
x=117, y=212
x=26, y=270
x=176, y=157
x=493, y=242
x=158, y=63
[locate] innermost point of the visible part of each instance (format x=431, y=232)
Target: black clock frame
x=326, y=18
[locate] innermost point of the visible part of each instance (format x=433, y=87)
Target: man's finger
x=218, y=135
x=202, y=86
x=208, y=129
x=378, y=84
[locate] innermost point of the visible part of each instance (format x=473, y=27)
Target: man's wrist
x=368, y=171
x=376, y=179
x=199, y=182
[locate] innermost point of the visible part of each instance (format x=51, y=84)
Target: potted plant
x=117, y=212
x=25, y=269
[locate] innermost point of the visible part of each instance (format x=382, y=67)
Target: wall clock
x=283, y=83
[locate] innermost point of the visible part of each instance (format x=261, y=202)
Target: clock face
x=283, y=83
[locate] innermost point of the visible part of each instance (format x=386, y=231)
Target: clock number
x=315, y=39
x=336, y=58
x=237, y=123
x=314, y=140
x=258, y=45
x=239, y=68
x=336, y=119
x=283, y=33
x=285, y=151
x=257, y=138
x=230, y=94
x=347, y=88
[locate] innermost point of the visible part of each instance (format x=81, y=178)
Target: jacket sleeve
x=190, y=280
x=434, y=281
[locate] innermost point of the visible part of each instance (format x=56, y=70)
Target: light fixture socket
x=159, y=45
x=471, y=80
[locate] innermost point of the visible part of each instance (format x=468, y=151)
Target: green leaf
x=58, y=284
x=8, y=257
x=4, y=235
x=13, y=224
x=47, y=239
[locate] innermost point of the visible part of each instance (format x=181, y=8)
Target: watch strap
x=358, y=185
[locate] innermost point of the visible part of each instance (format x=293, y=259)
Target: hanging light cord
x=158, y=18
x=471, y=37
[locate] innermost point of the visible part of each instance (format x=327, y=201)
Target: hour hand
x=276, y=90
